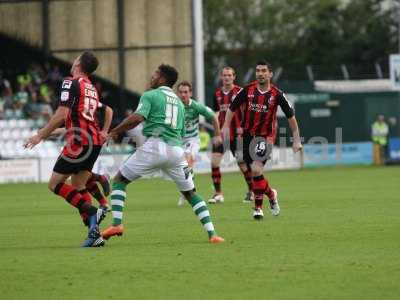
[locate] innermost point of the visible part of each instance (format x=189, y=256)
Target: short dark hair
x=169, y=73
x=185, y=83
x=89, y=62
x=263, y=62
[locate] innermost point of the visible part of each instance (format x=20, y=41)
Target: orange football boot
x=113, y=230
x=216, y=239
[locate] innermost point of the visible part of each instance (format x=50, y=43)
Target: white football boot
x=217, y=198
x=258, y=214
x=274, y=204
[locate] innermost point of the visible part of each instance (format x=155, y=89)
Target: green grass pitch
x=338, y=237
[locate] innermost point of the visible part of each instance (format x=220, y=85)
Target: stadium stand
x=29, y=89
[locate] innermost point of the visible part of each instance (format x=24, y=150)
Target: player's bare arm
x=295, y=133
x=217, y=139
x=58, y=132
x=56, y=121
x=107, y=122
x=107, y=119
x=128, y=123
x=228, y=119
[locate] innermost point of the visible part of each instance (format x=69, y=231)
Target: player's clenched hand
x=33, y=141
x=217, y=140
x=103, y=136
x=112, y=136
x=297, y=147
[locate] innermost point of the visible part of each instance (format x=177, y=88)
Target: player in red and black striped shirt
x=222, y=100
x=260, y=101
x=79, y=101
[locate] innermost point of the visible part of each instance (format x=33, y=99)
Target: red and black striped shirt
x=80, y=95
x=222, y=101
x=259, y=110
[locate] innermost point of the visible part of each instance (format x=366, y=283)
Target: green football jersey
x=192, y=113
x=165, y=115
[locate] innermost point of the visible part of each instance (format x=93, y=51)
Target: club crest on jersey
x=67, y=84
x=271, y=100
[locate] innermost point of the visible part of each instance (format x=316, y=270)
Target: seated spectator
x=55, y=77
x=46, y=111
x=24, y=80
x=21, y=95
x=33, y=108
x=45, y=93
x=14, y=112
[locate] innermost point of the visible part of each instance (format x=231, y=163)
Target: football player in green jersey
x=191, y=140
x=164, y=116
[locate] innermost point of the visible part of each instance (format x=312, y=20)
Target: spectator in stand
x=45, y=93
x=24, y=80
x=14, y=111
x=21, y=95
x=54, y=77
x=36, y=90
x=33, y=109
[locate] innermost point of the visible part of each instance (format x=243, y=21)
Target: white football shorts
x=191, y=146
x=155, y=155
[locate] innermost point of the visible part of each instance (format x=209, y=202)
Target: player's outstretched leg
x=95, y=191
x=94, y=215
x=182, y=200
x=118, y=196
x=88, y=199
x=104, y=181
x=76, y=199
x=200, y=209
x=190, y=160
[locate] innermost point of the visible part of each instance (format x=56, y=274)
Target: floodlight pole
x=197, y=10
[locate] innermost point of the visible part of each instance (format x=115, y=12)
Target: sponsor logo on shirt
x=258, y=107
x=66, y=84
x=64, y=96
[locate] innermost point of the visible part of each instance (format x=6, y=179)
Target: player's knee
x=191, y=163
x=120, y=178
x=215, y=161
x=256, y=169
x=189, y=194
x=243, y=166
x=79, y=187
x=52, y=185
